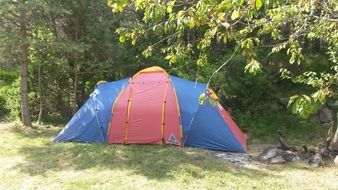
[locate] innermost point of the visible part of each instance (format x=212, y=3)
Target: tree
x=14, y=14
x=254, y=29
x=69, y=47
x=25, y=115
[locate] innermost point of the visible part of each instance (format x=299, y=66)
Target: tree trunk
x=75, y=81
x=70, y=87
x=40, y=95
x=335, y=138
x=25, y=115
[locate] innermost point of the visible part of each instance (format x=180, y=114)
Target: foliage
x=192, y=30
x=9, y=93
x=239, y=48
x=72, y=45
x=11, y=96
x=262, y=127
x=3, y=109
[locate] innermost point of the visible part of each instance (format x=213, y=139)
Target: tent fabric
x=145, y=113
x=90, y=122
x=203, y=125
x=153, y=107
x=232, y=126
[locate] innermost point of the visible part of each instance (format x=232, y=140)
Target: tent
x=153, y=107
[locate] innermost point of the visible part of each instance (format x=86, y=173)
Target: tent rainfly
x=153, y=107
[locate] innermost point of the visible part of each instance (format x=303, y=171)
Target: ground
x=30, y=160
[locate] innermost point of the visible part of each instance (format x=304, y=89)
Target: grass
x=264, y=127
x=29, y=160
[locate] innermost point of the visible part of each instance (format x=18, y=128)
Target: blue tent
x=205, y=126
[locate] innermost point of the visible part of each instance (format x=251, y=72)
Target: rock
x=284, y=101
x=315, y=119
x=277, y=160
x=325, y=115
x=333, y=104
x=334, y=146
x=290, y=157
x=316, y=160
x=336, y=161
x=327, y=125
x=268, y=153
x=275, y=106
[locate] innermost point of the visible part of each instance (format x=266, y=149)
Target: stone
x=275, y=106
x=284, y=101
x=315, y=119
x=277, y=160
x=336, y=161
x=333, y=104
x=290, y=157
x=325, y=115
x=328, y=125
x=268, y=153
x=316, y=160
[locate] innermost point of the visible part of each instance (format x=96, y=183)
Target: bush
x=9, y=93
x=3, y=109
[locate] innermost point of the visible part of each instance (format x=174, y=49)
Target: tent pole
x=97, y=119
x=192, y=119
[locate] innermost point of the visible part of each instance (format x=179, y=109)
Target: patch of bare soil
x=244, y=159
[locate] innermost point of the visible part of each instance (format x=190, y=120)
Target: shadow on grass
x=153, y=161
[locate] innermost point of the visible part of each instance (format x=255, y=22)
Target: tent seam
x=113, y=109
x=128, y=112
x=163, y=110
x=178, y=108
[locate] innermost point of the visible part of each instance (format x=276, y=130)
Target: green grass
x=264, y=127
x=29, y=160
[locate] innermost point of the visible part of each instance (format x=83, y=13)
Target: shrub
x=9, y=93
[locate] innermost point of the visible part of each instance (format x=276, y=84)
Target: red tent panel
x=146, y=112
x=117, y=128
x=172, y=125
x=233, y=127
x=146, y=109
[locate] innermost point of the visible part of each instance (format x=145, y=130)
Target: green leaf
x=259, y=4
x=122, y=39
x=225, y=39
x=133, y=38
x=170, y=6
x=253, y=67
x=235, y=14
x=292, y=59
x=139, y=4
x=191, y=23
x=148, y=52
x=302, y=105
x=119, y=5
x=202, y=98
x=202, y=60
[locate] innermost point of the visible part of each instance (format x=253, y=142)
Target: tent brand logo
x=172, y=138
